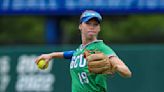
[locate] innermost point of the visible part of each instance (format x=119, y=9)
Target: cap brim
x=91, y=17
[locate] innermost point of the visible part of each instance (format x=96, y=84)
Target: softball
x=42, y=64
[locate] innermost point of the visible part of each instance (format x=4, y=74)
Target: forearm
x=120, y=67
x=123, y=71
x=65, y=54
x=57, y=55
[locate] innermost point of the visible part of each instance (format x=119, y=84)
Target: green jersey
x=82, y=80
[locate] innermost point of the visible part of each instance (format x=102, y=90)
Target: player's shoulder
x=106, y=49
x=101, y=44
x=98, y=45
x=98, y=42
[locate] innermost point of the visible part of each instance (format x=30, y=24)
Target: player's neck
x=85, y=41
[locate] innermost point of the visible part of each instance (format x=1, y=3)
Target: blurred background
x=28, y=28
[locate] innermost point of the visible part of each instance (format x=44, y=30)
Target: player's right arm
x=120, y=67
x=48, y=57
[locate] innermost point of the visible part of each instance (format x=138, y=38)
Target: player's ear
x=79, y=26
x=99, y=29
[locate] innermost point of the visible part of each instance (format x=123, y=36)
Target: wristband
x=68, y=54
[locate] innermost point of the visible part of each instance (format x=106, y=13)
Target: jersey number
x=83, y=77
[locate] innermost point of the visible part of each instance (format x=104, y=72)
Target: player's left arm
x=120, y=67
x=49, y=56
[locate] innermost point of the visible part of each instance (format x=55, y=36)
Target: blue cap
x=89, y=14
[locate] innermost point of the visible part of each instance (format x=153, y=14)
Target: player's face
x=90, y=29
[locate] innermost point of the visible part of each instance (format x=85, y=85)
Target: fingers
x=96, y=52
x=98, y=56
x=46, y=64
x=97, y=70
x=86, y=53
x=46, y=57
x=100, y=67
x=108, y=72
x=98, y=64
x=101, y=70
x=47, y=61
x=38, y=59
x=89, y=52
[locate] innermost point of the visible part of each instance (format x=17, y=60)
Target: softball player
x=82, y=79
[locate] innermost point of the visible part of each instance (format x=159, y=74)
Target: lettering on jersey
x=78, y=61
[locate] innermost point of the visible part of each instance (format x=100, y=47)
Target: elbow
x=124, y=71
x=127, y=74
